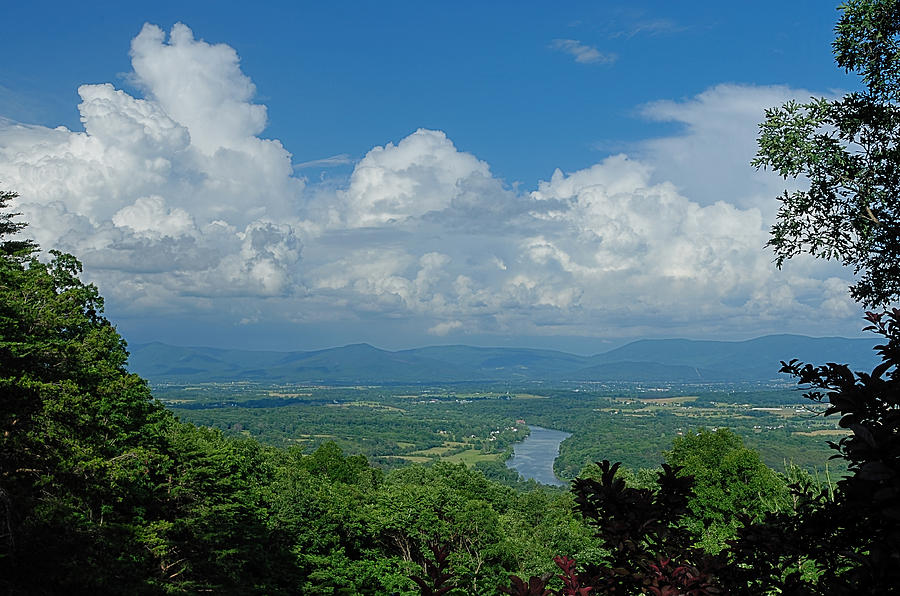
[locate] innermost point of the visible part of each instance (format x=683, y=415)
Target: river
x=533, y=457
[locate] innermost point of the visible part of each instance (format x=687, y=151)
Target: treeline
x=390, y=427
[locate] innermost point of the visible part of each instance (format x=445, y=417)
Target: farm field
x=397, y=426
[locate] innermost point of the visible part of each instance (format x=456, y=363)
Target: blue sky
x=304, y=175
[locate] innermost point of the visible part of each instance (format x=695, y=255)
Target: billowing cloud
x=424, y=172
x=177, y=207
x=149, y=216
x=709, y=158
x=200, y=86
x=176, y=185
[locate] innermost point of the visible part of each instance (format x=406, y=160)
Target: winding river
x=533, y=457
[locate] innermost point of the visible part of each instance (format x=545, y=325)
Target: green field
x=396, y=426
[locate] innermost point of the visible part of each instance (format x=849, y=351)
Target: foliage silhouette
x=849, y=152
x=649, y=547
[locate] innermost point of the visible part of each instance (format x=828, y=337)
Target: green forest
x=108, y=489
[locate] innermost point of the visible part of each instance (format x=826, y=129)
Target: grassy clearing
x=366, y=404
x=683, y=399
x=415, y=459
x=450, y=452
x=471, y=456
x=825, y=432
x=441, y=450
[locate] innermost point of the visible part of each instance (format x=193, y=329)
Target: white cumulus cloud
x=709, y=158
x=200, y=86
x=177, y=207
x=424, y=172
x=175, y=186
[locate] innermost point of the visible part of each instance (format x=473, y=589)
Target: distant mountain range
x=657, y=360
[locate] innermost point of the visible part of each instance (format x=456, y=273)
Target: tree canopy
x=729, y=479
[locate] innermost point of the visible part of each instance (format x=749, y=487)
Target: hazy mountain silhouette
x=660, y=360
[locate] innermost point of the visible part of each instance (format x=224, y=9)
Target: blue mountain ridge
x=656, y=360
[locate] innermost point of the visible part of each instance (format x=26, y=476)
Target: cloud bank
x=178, y=206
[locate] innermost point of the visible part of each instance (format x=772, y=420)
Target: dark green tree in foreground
x=77, y=432
x=848, y=543
x=729, y=479
x=647, y=546
x=101, y=489
x=848, y=150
